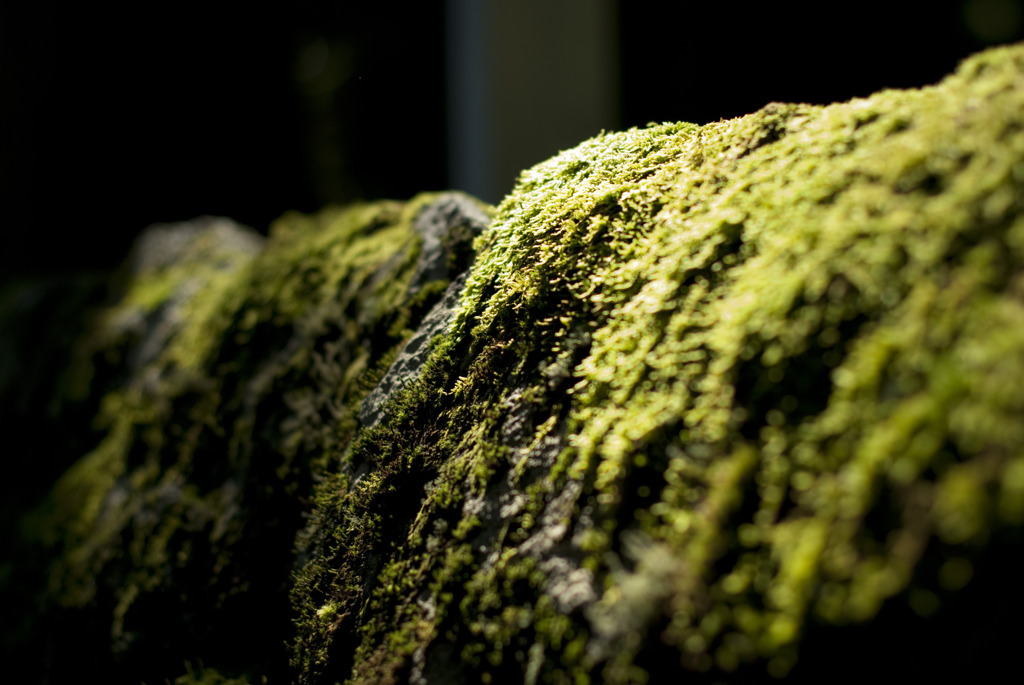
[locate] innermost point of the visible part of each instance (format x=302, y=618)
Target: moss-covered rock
x=230, y=374
x=733, y=401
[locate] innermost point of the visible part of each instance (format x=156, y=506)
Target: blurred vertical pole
x=525, y=79
x=470, y=129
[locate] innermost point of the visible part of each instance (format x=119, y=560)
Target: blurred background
x=111, y=120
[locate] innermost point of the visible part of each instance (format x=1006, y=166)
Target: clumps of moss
x=208, y=676
x=712, y=392
x=234, y=375
x=719, y=401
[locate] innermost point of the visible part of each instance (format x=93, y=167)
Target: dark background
x=112, y=120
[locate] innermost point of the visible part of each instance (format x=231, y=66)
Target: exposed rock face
x=726, y=402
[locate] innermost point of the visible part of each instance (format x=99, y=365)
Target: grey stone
x=447, y=227
x=412, y=356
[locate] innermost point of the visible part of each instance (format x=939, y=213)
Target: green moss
x=243, y=373
x=208, y=676
x=707, y=386
x=711, y=394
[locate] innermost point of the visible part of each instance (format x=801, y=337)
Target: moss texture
x=707, y=385
x=724, y=402
x=229, y=373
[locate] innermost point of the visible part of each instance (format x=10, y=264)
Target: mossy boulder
x=727, y=403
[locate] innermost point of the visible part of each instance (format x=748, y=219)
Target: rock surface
x=726, y=403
